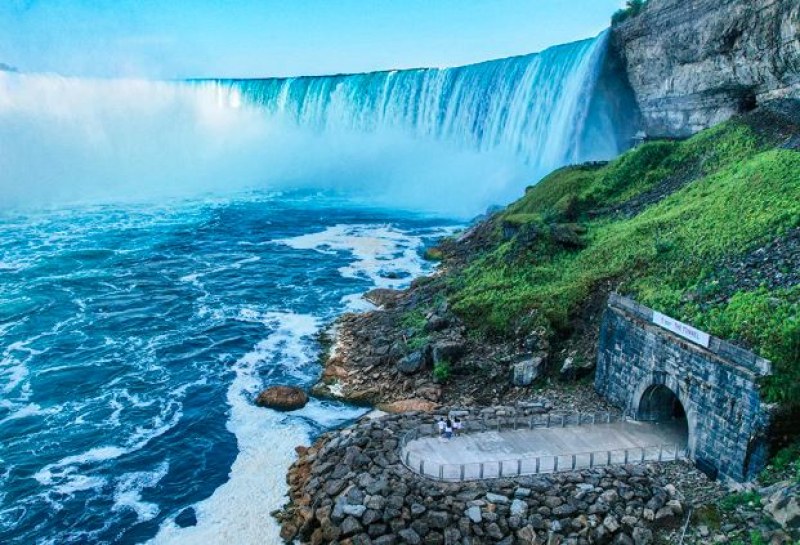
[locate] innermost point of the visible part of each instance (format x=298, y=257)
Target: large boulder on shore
x=282, y=398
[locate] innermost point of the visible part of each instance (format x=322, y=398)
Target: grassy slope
x=744, y=192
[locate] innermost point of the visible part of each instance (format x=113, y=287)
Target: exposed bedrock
x=694, y=63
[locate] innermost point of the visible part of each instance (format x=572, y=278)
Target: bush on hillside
x=632, y=9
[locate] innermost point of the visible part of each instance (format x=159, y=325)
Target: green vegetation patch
x=632, y=9
x=739, y=193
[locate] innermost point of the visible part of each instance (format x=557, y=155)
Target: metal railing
x=516, y=467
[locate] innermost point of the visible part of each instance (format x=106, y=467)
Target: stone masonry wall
x=726, y=418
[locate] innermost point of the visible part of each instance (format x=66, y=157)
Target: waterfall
x=538, y=107
x=451, y=140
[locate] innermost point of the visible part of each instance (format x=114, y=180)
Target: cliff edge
x=695, y=63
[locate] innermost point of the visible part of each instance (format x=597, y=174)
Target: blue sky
x=252, y=38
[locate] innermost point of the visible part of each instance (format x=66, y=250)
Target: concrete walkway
x=543, y=450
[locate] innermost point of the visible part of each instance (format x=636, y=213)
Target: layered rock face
x=695, y=63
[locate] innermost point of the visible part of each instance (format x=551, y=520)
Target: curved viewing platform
x=515, y=446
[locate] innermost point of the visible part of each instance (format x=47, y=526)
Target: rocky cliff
x=695, y=63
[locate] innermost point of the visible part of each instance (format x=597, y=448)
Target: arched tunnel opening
x=661, y=405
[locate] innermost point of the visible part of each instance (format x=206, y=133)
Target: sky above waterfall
x=256, y=38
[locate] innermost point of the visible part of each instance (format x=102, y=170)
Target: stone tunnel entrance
x=660, y=404
x=659, y=369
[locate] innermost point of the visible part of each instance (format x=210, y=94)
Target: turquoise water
x=134, y=337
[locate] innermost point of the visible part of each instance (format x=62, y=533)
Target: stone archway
x=660, y=401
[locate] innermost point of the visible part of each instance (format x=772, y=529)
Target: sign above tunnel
x=684, y=330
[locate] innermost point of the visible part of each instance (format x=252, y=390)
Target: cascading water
x=449, y=140
x=535, y=106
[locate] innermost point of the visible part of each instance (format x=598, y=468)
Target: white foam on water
x=329, y=414
x=377, y=250
x=128, y=492
x=237, y=511
x=24, y=411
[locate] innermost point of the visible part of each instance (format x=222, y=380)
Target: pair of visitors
x=445, y=428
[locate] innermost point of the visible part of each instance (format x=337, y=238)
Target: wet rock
x=409, y=405
x=282, y=398
x=186, y=518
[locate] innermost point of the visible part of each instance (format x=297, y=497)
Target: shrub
x=632, y=9
x=433, y=254
x=441, y=371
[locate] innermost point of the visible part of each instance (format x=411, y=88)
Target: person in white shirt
x=457, y=425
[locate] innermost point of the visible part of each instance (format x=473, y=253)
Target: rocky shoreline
x=351, y=488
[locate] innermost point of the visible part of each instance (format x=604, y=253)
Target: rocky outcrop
x=352, y=487
x=282, y=398
x=695, y=63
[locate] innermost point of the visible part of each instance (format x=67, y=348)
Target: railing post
x=538, y=461
x=422, y=466
x=480, y=471
x=441, y=472
x=608, y=457
x=519, y=466
x=548, y=421
x=531, y=422
x=462, y=472
x=626, y=456
x=643, y=454
x=660, y=452
x=500, y=470
x=591, y=460
x=563, y=421
x=555, y=464
x=573, y=461
x=408, y=457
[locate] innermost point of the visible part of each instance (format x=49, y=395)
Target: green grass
x=414, y=322
x=743, y=193
x=786, y=461
x=732, y=501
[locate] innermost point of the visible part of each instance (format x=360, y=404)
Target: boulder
x=383, y=297
x=525, y=371
x=411, y=363
x=574, y=368
x=784, y=507
x=186, y=518
x=449, y=351
x=436, y=323
x=282, y=398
